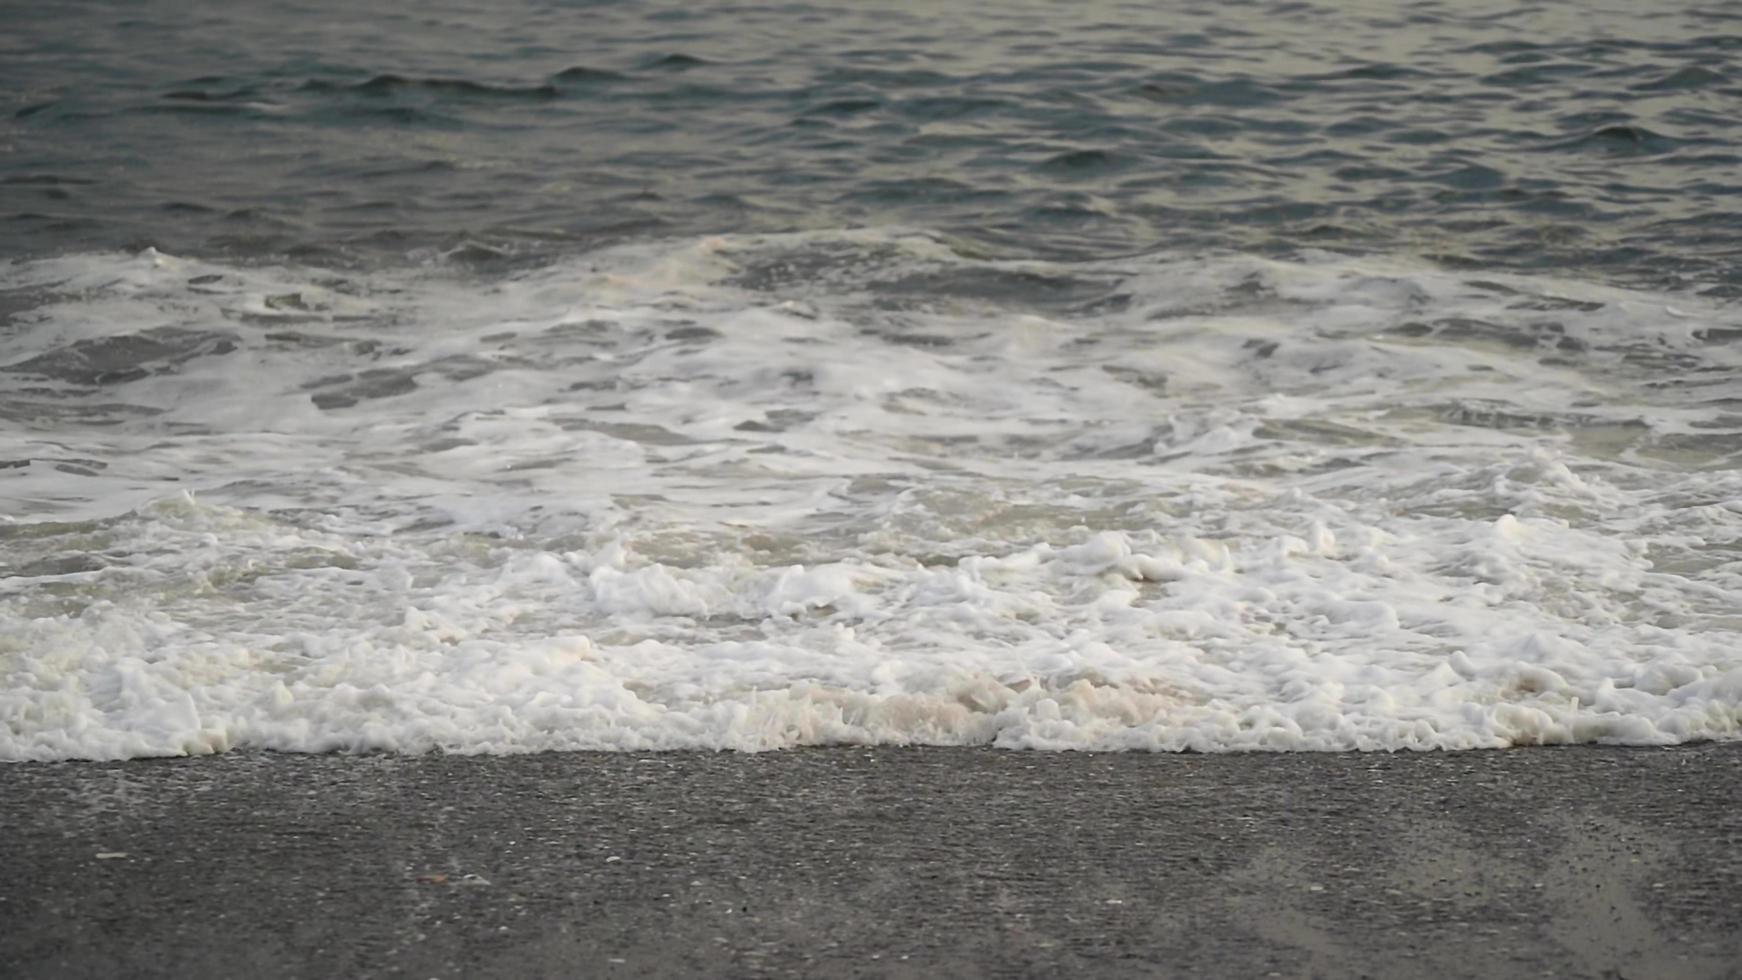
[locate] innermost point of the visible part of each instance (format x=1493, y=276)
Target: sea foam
x=863, y=487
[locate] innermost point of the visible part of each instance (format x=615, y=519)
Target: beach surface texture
x=884, y=862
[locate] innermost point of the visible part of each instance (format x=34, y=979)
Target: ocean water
x=511, y=377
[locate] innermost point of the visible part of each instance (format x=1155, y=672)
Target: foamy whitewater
x=861, y=487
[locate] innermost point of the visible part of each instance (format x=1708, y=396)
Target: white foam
x=752, y=493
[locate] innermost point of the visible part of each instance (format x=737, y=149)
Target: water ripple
x=1452, y=129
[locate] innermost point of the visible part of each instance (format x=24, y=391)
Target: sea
x=1183, y=376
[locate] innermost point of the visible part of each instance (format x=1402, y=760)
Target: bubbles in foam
x=752, y=493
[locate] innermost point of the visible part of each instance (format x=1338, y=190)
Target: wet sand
x=1567, y=862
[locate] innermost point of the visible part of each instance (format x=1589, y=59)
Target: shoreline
x=853, y=861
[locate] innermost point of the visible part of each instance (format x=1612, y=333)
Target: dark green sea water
x=1599, y=136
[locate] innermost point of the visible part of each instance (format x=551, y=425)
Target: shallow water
x=1273, y=378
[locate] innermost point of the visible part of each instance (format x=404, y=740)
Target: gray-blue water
x=1597, y=136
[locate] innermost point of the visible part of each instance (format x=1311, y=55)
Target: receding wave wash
x=754, y=492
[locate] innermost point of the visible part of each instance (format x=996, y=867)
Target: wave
x=752, y=492
x=388, y=84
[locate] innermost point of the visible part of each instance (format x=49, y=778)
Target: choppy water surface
x=1271, y=376
x=1588, y=135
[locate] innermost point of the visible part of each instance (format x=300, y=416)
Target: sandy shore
x=1581, y=861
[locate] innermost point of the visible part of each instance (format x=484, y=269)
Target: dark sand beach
x=1568, y=862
